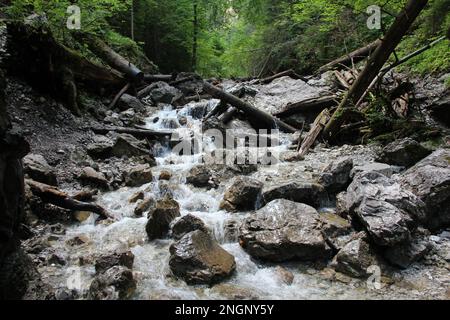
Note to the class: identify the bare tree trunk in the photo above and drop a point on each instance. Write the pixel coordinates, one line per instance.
(376, 62)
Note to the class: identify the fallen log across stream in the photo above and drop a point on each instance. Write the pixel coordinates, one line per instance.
(52, 195)
(251, 111)
(309, 105)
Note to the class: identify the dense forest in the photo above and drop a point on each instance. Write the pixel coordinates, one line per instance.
(244, 37)
(224, 150)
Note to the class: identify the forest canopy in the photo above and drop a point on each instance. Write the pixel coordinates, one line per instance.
(243, 37)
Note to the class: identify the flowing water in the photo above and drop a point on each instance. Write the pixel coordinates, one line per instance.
(252, 279)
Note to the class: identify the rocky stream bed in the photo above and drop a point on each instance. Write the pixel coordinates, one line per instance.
(347, 222)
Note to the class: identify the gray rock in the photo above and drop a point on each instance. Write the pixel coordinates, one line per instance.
(144, 206)
(430, 181)
(164, 93)
(198, 259)
(355, 258)
(336, 230)
(284, 230)
(114, 284)
(243, 195)
(105, 262)
(336, 176)
(387, 211)
(37, 168)
(89, 176)
(160, 218)
(383, 168)
(201, 177)
(405, 153)
(127, 102)
(303, 192)
(406, 254)
(138, 176)
(127, 145)
(186, 225)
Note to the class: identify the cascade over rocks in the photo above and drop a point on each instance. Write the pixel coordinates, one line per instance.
(284, 230)
(199, 259)
(429, 180)
(116, 283)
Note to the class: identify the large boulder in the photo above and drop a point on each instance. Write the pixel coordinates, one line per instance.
(127, 102)
(113, 284)
(355, 258)
(303, 192)
(90, 177)
(127, 145)
(243, 195)
(440, 110)
(336, 176)
(187, 224)
(164, 93)
(336, 230)
(430, 181)
(406, 254)
(284, 230)
(202, 176)
(405, 153)
(138, 176)
(383, 168)
(387, 211)
(37, 168)
(198, 259)
(160, 218)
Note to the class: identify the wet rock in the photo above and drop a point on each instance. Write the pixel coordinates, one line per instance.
(242, 195)
(233, 292)
(81, 216)
(387, 211)
(201, 177)
(406, 254)
(231, 232)
(302, 192)
(336, 176)
(430, 181)
(78, 241)
(164, 93)
(291, 156)
(89, 176)
(37, 168)
(144, 206)
(55, 259)
(65, 294)
(198, 259)
(105, 262)
(214, 123)
(336, 230)
(114, 284)
(355, 258)
(186, 225)
(405, 153)
(284, 230)
(161, 217)
(129, 118)
(138, 176)
(382, 168)
(140, 195)
(165, 175)
(127, 102)
(285, 276)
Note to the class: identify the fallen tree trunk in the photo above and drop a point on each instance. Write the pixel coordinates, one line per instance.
(51, 195)
(376, 62)
(288, 73)
(228, 115)
(112, 58)
(353, 57)
(309, 105)
(138, 133)
(159, 77)
(147, 90)
(247, 108)
(218, 110)
(315, 131)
